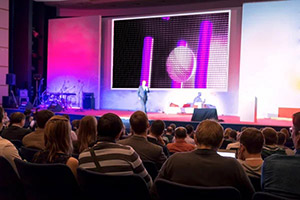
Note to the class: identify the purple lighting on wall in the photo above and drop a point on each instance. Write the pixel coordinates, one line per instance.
(174, 84)
(203, 54)
(147, 60)
(166, 18)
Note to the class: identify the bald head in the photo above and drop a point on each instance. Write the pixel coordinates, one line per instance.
(180, 133)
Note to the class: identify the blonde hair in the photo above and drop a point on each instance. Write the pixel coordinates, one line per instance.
(58, 136)
(87, 132)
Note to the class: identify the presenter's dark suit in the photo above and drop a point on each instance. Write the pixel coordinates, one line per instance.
(143, 95)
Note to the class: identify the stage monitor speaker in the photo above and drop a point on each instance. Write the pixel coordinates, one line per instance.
(55, 107)
(10, 79)
(88, 100)
(201, 114)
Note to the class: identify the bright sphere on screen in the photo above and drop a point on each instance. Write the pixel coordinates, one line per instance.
(180, 64)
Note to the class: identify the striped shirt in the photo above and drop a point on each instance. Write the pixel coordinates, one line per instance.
(114, 159)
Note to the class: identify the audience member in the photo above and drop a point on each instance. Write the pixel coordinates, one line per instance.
(73, 134)
(75, 125)
(138, 141)
(58, 146)
(169, 134)
(155, 135)
(281, 174)
(235, 145)
(227, 132)
(281, 144)
(180, 144)
(28, 118)
(173, 127)
(6, 120)
(15, 131)
(204, 167)
(251, 141)
(227, 139)
(270, 146)
(289, 142)
(1, 119)
(7, 149)
(106, 156)
(87, 134)
(36, 139)
(190, 134)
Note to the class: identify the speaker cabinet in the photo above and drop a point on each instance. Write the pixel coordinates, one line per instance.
(201, 114)
(10, 79)
(88, 100)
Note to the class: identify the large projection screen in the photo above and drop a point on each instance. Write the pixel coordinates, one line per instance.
(188, 50)
(270, 52)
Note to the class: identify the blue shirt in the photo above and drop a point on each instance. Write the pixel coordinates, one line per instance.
(281, 175)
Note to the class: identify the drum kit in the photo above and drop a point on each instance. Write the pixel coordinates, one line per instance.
(63, 99)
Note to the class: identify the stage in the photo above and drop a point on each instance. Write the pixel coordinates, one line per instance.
(183, 119)
(179, 119)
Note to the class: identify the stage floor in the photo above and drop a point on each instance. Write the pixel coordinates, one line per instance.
(281, 122)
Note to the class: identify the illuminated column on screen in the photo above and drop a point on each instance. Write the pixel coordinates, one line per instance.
(203, 54)
(180, 43)
(147, 60)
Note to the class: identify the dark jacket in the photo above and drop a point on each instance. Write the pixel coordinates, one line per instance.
(14, 133)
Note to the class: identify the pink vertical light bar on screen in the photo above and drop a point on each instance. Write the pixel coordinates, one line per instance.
(203, 54)
(147, 60)
(174, 84)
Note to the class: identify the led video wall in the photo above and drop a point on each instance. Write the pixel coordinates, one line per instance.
(188, 50)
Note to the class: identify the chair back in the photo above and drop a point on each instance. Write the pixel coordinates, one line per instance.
(28, 153)
(96, 185)
(47, 181)
(10, 185)
(175, 191)
(151, 168)
(256, 183)
(267, 196)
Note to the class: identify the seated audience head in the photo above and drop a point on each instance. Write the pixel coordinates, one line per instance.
(270, 136)
(110, 126)
(169, 130)
(42, 117)
(139, 123)
(75, 124)
(286, 132)
(57, 136)
(173, 126)
(251, 142)
(180, 133)
(189, 129)
(233, 134)
(281, 138)
(227, 132)
(66, 116)
(243, 128)
(296, 130)
(157, 128)
(17, 118)
(209, 134)
(87, 132)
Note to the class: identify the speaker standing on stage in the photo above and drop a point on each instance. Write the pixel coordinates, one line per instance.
(143, 95)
